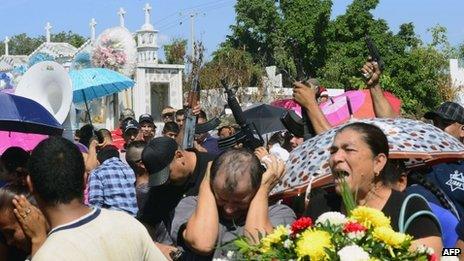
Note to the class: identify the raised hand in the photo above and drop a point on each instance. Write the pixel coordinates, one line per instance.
(274, 171)
(371, 72)
(304, 94)
(261, 152)
(31, 220)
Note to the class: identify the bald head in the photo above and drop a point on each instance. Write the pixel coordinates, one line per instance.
(236, 165)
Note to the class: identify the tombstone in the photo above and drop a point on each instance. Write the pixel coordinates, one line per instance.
(271, 82)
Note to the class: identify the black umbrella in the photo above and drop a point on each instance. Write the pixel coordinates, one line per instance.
(265, 117)
(21, 114)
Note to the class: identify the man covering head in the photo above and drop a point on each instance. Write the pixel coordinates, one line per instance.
(81, 233)
(232, 201)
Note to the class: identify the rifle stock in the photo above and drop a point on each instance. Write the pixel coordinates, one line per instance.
(247, 132)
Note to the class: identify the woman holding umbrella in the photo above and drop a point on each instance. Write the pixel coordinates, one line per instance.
(359, 155)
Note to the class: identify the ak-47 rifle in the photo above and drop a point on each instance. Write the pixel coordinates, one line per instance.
(191, 119)
(191, 127)
(248, 135)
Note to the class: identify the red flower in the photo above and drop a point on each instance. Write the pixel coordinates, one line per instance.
(433, 257)
(301, 224)
(353, 227)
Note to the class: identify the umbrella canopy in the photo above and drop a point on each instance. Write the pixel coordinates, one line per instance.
(265, 117)
(25, 115)
(358, 104)
(27, 141)
(339, 109)
(408, 139)
(93, 83)
(289, 104)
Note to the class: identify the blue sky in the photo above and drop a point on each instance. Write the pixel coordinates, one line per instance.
(213, 18)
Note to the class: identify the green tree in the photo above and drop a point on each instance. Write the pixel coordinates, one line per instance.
(235, 66)
(276, 32)
(22, 44)
(73, 39)
(175, 51)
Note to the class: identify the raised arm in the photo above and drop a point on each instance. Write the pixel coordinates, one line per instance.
(201, 232)
(257, 220)
(382, 107)
(306, 97)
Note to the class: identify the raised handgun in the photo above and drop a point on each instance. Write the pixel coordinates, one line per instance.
(374, 52)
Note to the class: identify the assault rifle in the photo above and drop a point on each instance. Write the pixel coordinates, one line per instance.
(248, 135)
(191, 127)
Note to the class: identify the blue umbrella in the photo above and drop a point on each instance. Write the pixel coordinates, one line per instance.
(21, 114)
(92, 83)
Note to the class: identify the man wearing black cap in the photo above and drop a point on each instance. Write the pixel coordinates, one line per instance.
(448, 177)
(174, 174)
(450, 118)
(147, 126)
(131, 131)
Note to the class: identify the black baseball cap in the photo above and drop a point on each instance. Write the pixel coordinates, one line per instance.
(131, 124)
(450, 111)
(156, 157)
(145, 118)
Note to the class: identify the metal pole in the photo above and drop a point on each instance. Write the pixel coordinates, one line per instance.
(87, 107)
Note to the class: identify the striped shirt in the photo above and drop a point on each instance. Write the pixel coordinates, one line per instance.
(112, 186)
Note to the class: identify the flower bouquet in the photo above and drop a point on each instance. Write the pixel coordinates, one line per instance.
(364, 234)
(109, 54)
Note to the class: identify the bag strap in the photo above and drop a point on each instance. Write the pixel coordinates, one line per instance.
(402, 224)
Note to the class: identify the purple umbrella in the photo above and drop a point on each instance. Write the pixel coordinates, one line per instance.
(21, 114)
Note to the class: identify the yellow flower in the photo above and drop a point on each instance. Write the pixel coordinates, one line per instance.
(312, 243)
(390, 237)
(273, 238)
(369, 217)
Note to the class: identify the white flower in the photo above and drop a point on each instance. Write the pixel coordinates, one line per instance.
(356, 235)
(425, 249)
(449, 258)
(230, 254)
(288, 243)
(220, 259)
(334, 218)
(353, 253)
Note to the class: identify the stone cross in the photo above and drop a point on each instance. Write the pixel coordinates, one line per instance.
(121, 14)
(147, 10)
(47, 31)
(6, 45)
(92, 25)
(271, 81)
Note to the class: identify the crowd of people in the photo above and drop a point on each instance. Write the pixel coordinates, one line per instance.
(136, 194)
